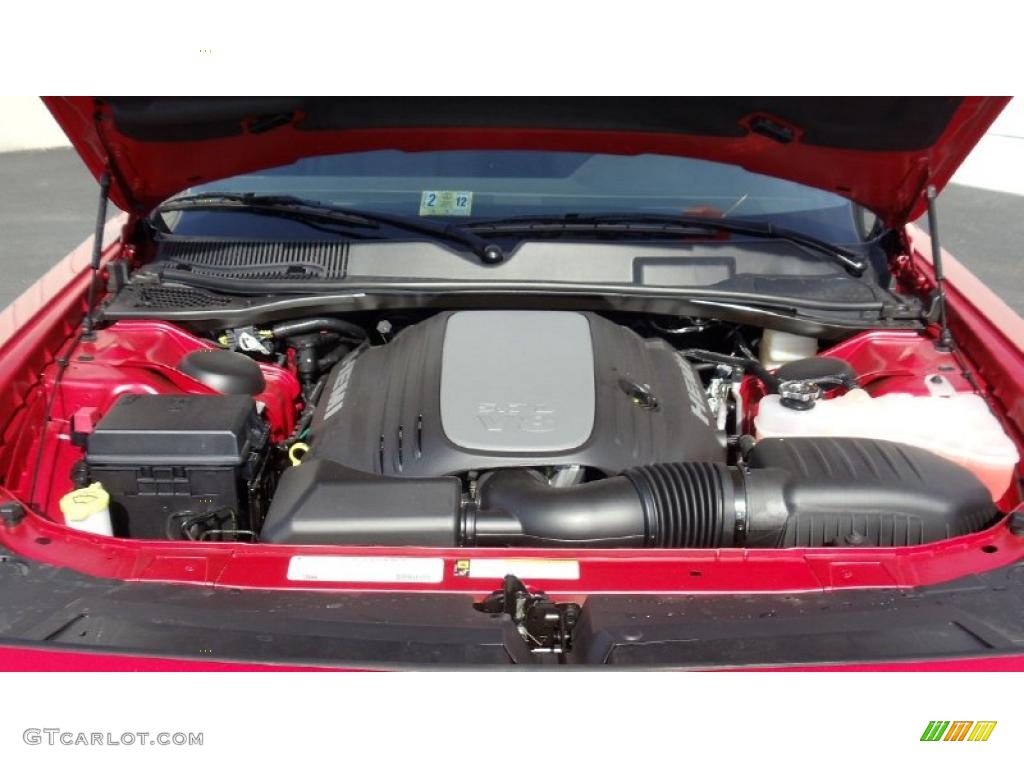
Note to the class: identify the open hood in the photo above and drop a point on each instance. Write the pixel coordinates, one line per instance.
(880, 152)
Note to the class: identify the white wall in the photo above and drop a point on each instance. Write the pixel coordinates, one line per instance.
(26, 124)
(996, 163)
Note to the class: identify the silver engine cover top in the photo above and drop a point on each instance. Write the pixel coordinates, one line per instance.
(517, 381)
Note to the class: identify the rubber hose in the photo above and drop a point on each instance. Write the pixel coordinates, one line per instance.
(746, 364)
(313, 324)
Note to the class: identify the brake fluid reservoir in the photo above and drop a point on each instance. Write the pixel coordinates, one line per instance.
(959, 427)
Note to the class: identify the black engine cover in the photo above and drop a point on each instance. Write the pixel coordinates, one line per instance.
(486, 389)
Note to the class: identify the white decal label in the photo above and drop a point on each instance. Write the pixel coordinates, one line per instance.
(525, 568)
(516, 417)
(443, 202)
(337, 397)
(695, 392)
(385, 570)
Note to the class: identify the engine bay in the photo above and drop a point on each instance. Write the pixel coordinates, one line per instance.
(517, 428)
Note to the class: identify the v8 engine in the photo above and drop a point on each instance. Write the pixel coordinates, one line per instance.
(513, 428)
(524, 428)
(479, 390)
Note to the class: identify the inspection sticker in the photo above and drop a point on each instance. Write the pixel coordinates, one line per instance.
(524, 568)
(444, 202)
(384, 570)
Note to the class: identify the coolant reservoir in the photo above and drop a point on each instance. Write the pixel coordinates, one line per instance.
(959, 427)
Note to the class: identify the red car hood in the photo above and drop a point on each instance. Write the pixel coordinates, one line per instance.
(880, 152)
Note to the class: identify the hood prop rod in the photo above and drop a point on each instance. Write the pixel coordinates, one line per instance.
(88, 322)
(945, 342)
(86, 335)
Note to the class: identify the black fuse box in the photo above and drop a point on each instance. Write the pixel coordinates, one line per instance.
(182, 466)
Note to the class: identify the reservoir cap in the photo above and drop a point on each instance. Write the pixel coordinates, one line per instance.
(230, 373)
(83, 503)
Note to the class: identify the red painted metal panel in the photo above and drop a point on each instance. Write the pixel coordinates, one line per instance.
(888, 183)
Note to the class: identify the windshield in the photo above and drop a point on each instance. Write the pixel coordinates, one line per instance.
(467, 185)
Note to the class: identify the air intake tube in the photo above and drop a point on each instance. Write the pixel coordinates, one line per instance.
(808, 492)
(691, 504)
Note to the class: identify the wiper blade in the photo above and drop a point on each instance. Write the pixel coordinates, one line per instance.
(313, 210)
(283, 204)
(647, 224)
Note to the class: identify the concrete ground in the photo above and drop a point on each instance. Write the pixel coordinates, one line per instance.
(48, 206)
(984, 230)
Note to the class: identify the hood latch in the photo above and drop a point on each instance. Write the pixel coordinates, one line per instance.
(545, 626)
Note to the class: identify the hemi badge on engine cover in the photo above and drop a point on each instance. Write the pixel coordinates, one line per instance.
(382, 570)
(523, 568)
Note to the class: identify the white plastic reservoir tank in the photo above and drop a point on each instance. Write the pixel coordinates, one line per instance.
(959, 427)
(88, 509)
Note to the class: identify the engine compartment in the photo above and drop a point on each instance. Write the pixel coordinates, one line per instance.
(500, 428)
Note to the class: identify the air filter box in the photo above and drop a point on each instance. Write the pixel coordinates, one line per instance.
(182, 466)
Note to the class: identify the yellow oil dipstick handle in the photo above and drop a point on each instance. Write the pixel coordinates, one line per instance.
(296, 452)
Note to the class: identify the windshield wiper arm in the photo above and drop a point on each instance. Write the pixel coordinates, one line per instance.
(314, 210)
(662, 224)
(282, 204)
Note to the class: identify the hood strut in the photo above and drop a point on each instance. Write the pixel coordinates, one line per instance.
(945, 341)
(97, 251)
